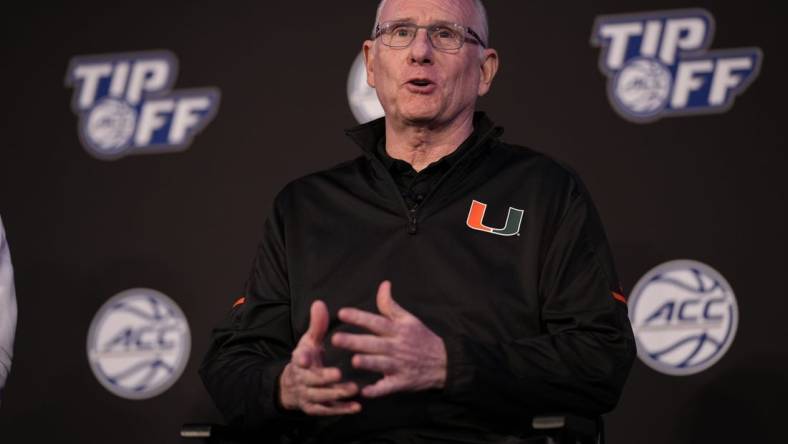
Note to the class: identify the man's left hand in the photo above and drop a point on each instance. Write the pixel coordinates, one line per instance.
(410, 356)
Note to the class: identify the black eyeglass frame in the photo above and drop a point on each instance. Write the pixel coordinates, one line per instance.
(476, 39)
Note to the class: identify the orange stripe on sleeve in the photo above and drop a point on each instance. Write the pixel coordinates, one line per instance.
(240, 301)
(619, 297)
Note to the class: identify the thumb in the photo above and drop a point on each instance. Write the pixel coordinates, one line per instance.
(318, 322)
(386, 304)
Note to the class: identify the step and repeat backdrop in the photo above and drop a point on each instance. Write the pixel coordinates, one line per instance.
(143, 143)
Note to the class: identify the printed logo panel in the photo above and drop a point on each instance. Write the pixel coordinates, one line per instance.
(363, 99)
(126, 105)
(138, 344)
(684, 316)
(659, 64)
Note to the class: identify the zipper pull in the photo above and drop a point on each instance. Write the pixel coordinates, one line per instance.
(412, 224)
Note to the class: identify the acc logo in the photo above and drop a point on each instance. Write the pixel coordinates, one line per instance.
(125, 104)
(363, 99)
(138, 344)
(684, 316)
(513, 220)
(658, 64)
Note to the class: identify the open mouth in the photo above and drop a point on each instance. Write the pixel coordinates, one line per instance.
(421, 86)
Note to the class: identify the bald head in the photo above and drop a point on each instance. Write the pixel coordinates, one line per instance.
(423, 86)
(479, 24)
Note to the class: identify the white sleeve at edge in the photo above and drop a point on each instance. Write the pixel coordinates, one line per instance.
(7, 308)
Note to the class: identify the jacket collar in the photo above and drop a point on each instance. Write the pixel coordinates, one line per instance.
(485, 135)
(369, 134)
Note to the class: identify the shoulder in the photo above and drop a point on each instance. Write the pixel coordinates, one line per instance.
(340, 173)
(318, 183)
(538, 167)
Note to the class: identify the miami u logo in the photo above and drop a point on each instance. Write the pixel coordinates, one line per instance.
(513, 220)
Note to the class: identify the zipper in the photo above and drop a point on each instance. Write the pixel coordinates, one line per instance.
(413, 221)
(412, 214)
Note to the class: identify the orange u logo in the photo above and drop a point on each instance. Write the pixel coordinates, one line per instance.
(476, 215)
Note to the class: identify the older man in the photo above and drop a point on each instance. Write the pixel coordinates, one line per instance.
(443, 286)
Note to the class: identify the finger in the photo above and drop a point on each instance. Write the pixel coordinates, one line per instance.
(381, 388)
(332, 393)
(337, 408)
(307, 354)
(301, 357)
(319, 376)
(375, 363)
(372, 322)
(386, 304)
(318, 322)
(360, 343)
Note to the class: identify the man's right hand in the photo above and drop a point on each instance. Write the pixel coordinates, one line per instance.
(308, 386)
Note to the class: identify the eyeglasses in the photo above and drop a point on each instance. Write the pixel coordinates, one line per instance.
(443, 36)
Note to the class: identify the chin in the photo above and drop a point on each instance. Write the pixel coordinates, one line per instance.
(419, 116)
(419, 109)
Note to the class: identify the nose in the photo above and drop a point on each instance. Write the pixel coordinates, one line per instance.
(421, 48)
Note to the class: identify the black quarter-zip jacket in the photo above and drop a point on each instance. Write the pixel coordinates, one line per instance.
(533, 322)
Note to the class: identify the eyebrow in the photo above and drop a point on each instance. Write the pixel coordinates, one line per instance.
(406, 19)
(411, 20)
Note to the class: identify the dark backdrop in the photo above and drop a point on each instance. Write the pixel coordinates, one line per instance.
(710, 188)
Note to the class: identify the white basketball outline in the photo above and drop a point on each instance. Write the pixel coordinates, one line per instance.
(177, 370)
(624, 108)
(356, 83)
(674, 265)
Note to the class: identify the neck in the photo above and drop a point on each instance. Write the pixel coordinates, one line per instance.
(420, 145)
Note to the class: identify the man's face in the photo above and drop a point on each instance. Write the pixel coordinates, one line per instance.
(419, 84)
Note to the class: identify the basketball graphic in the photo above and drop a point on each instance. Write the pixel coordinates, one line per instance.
(660, 64)
(110, 126)
(363, 99)
(138, 344)
(643, 86)
(684, 316)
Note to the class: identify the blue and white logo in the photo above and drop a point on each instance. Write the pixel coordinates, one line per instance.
(138, 344)
(684, 316)
(126, 104)
(659, 64)
(363, 99)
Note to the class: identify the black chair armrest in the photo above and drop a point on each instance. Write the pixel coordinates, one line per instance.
(570, 429)
(214, 433)
(558, 429)
(197, 431)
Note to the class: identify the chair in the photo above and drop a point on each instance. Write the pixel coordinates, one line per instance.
(570, 429)
(554, 429)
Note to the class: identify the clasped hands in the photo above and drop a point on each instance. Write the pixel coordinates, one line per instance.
(409, 355)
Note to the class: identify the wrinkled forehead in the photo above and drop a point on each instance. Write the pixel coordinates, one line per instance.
(429, 11)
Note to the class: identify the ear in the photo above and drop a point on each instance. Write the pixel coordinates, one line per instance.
(489, 67)
(369, 58)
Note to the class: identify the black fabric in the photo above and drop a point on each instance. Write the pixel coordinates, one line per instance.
(529, 321)
(414, 185)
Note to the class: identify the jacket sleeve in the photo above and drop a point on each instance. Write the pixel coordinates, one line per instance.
(580, 361)
(251, 346)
